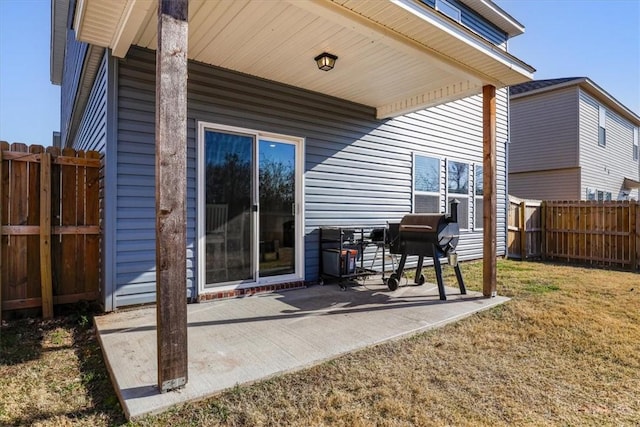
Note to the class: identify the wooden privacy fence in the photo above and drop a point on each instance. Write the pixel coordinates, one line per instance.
(592, 232)
(49, 227)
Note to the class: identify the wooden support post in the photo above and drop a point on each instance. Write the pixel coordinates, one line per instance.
(171, 187)
(489, 271)
(45, 236)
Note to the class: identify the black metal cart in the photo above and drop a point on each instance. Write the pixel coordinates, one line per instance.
(341, 254)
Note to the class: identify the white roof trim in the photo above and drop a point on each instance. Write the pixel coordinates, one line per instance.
(59, 15)
(134, 13)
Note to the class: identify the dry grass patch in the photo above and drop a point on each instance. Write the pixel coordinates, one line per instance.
(52, 373)
(564, 351)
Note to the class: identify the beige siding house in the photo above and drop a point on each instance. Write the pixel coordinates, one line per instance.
(571, 140)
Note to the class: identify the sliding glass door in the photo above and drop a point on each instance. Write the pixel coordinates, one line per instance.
(229, 200)
(250, 202)
(277, 206)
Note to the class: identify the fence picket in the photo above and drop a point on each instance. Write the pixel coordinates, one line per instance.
(69, 246)
(33, 219)
(46, 289)
(18, 215)
(80, 221)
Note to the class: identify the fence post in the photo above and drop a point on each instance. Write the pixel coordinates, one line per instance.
(2, 143)
(45, 236)
(523, 231)
(635, 235)
(543, 230)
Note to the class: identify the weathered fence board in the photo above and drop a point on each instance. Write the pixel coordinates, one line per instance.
(525, 229)
(599, 233)
(49, 227)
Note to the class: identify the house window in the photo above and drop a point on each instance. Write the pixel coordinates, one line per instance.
(458, 188)
(478, 207)
(603, 196)
(426, 184)
(635, 144)
(448, 9)
(591, 194)
(602, 130)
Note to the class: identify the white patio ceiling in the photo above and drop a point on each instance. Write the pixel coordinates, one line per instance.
(395, 55)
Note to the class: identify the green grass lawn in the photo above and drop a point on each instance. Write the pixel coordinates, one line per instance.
(564, 351)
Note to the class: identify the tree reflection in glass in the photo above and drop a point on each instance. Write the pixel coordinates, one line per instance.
(277, 208)
(228, 192)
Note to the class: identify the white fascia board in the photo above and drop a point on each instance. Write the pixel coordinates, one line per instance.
(133, 15)
(59, 15)
(79, 17)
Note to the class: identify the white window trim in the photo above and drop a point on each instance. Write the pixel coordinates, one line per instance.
(636, 149)
(467, 196)
(602, 124)
(441, 161)
(476, 197)
(299, 275)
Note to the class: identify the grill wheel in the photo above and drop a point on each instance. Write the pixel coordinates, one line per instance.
(392, 282)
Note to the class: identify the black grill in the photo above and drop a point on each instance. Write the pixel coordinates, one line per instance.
(432, 235)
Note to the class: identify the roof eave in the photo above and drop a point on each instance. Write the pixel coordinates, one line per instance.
(59, 15)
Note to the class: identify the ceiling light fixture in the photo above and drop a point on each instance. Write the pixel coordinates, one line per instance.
(325, 61)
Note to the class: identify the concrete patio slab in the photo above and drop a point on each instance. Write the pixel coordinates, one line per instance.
(241, 340)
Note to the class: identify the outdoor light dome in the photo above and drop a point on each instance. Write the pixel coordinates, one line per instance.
(325, 61)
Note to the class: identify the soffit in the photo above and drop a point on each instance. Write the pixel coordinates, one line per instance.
(630, 183)
(398, 55)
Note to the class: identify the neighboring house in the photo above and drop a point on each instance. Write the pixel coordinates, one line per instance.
(276, 147)
(571, 140)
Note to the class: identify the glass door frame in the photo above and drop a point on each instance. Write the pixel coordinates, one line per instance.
(201, 206)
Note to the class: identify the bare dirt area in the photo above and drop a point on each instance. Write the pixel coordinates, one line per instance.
(564, 351)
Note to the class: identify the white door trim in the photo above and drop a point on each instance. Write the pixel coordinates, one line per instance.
(200, 209)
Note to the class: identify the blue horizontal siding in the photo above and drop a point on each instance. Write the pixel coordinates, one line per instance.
(358, 170)
(92, 131)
